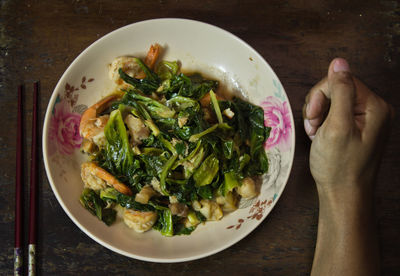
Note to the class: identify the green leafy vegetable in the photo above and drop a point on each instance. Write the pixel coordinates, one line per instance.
(256, 132)
(118, 156)
(231, 182)
(109, 194)
(139, 111)
(180, 148)
(150, 75)
(193, 86)
(227, 148)
(152, 151)
(167, 144)
(188, 155)
(192, 161)
(205, 192)
(207, 171)
(155, 108)
(146, 85)
(130, 203)
(243, 161)
(167, 69)
(92, 202)
(180, 103)
(184, 230)
(197, 136)
(164, 174)
(153, 164)
(165, 224)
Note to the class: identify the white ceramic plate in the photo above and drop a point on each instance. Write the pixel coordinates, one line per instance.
(199, 47)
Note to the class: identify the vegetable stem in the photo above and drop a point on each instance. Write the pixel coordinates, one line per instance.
(216, 107)
(146, 118)
(167, 144)
(164, 174)
(197, 136)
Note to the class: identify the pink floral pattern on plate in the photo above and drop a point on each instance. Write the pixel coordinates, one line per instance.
(277, 116)
(64, 123)
(64, 129)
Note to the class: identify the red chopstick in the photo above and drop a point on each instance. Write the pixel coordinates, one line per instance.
(18, 190)
(33, 187)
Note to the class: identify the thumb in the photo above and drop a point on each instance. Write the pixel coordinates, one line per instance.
(341, 91)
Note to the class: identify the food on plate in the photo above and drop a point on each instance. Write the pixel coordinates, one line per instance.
(166, 150)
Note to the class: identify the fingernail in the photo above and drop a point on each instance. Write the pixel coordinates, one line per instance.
(312, 137)
(315, 122)
(307, 110)
(341, 65)
(307, 126)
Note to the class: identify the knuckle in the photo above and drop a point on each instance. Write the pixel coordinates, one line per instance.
(385, 109)
(389, 111)
(337, 131)
(321, 86)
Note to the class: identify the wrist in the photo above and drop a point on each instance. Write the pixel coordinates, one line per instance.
(347, 230)
(346, 203)
(346, 189)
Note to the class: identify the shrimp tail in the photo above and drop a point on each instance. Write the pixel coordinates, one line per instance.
(152, 55)
(151, 58)
(93, 169)
(91, 113)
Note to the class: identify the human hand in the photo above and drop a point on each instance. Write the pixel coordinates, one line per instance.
(348, 125)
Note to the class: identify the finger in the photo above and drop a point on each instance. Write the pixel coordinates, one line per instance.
(310, 129)
(372, 111)
(315, 107)
(317, 102)
(341, 92)
(312, 105)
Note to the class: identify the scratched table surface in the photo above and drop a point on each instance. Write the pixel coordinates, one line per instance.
(39, 39)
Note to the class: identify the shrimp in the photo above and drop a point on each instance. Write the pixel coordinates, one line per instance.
(130, 66)
(152, 55)
(139, 221)
(97, 178)
(92, 127)
(137, 130)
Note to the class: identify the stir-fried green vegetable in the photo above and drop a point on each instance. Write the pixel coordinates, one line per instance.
(190, 155)
(117, 157)
(92, 202)
(207, 171)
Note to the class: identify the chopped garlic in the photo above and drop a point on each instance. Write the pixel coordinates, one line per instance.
(182, 121)
(228, 113)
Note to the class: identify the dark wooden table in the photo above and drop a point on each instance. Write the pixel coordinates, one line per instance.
(39, 39)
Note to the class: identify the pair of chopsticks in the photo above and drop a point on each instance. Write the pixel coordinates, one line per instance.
(18, 250)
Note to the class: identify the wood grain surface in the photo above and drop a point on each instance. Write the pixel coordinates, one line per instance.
(298, 38)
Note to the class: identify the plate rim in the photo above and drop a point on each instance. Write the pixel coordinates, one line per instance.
(50, 178)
